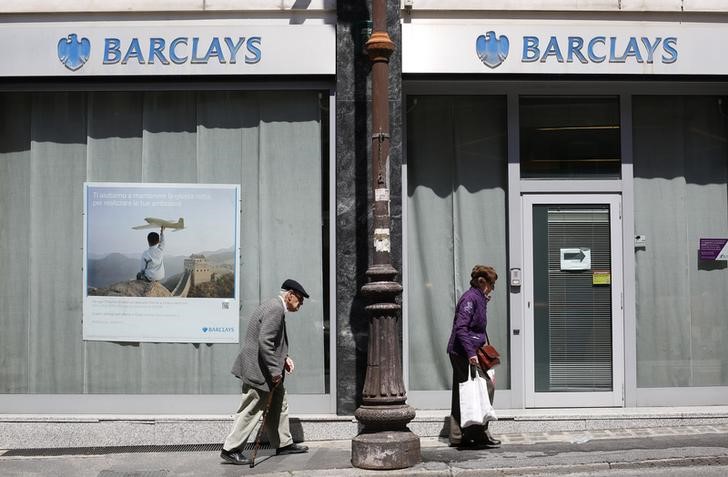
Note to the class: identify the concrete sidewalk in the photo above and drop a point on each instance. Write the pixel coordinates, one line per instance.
(537, 453)
(20, 431)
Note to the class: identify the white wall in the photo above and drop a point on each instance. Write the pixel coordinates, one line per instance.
(689, 6)
(40, 6)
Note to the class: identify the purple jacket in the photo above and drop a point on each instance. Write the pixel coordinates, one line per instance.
(468, 327)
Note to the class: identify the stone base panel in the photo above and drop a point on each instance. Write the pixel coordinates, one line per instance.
(22, 431)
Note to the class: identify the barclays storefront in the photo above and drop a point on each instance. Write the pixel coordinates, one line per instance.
(585, 156)
(160, 118)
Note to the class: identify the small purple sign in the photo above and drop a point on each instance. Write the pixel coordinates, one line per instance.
(713, 249)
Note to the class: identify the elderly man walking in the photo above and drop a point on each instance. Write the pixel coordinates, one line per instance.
(261, 365)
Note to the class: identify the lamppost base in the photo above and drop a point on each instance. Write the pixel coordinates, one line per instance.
(386, 450)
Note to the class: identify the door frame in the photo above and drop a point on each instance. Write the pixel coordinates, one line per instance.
(533, 399)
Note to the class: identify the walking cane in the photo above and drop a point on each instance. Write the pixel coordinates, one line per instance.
(262, 423)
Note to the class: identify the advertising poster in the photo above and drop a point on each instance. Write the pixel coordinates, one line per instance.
(161, 262)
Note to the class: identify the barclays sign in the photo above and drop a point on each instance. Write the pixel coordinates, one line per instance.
(73, 52)
(601, 48)
(183, 49)
(563, 46)
(218, 329)
(493, 50)
(166, 48)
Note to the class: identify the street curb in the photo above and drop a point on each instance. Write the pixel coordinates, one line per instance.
(445, 470)
(596, 466)
(676, 462)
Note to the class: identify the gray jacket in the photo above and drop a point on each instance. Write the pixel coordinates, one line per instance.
(265, 348)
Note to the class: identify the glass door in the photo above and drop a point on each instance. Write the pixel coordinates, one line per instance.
(573, 300)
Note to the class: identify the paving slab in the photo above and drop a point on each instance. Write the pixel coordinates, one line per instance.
(523, 454)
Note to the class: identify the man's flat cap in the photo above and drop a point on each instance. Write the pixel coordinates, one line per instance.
(290, 284)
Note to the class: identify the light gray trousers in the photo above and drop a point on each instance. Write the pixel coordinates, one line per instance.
(251, 409)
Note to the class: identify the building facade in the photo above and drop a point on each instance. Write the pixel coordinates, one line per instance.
(581, 150)
(583, 154)
(163, 94)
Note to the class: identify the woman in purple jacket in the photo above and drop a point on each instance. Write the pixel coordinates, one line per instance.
(468, 334)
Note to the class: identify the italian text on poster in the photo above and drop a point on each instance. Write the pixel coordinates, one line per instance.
(161, 262)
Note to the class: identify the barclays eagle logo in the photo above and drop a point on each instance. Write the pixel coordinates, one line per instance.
(491, 50)
(73, 52)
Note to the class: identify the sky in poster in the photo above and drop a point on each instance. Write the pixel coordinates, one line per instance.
(208, 212)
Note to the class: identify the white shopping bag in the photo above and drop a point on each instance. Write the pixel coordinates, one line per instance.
(491, 375)
(475, 405)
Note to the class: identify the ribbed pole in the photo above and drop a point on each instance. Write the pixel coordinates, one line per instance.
(385, 441)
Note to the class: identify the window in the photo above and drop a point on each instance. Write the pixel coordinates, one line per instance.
(457, 193)
(52, 142)
(569, 137)
(681, 196)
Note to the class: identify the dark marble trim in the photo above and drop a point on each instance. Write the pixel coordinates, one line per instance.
(353, 194)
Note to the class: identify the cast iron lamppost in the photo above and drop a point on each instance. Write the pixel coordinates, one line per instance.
(385, 442)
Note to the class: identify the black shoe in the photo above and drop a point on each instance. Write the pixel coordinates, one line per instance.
(471, 444)
(234, 457)
(292, 449)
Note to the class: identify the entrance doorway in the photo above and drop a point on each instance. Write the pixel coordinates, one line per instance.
(572, 292)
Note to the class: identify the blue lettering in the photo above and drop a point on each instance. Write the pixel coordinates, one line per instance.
(531, 52)
(156, 49)
(594, 50)
(112, 54)
(651, 48)
(215, 50)
(253, 46)
(134, 51)
(234, 47)
(632, 50)
(670, 45)
(552, 50)
(613, 58)
(590, 49)
(195, 58)
(173, 50)
(179, 51)
(575, 45)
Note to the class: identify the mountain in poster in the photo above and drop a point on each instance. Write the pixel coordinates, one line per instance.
(117, 267)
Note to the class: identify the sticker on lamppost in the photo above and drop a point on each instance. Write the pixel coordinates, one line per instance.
(576, 258)
(713, 249)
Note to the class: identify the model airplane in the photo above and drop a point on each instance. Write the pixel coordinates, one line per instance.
(155, 223)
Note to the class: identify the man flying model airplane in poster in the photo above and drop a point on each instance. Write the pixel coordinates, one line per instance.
(152, 265)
